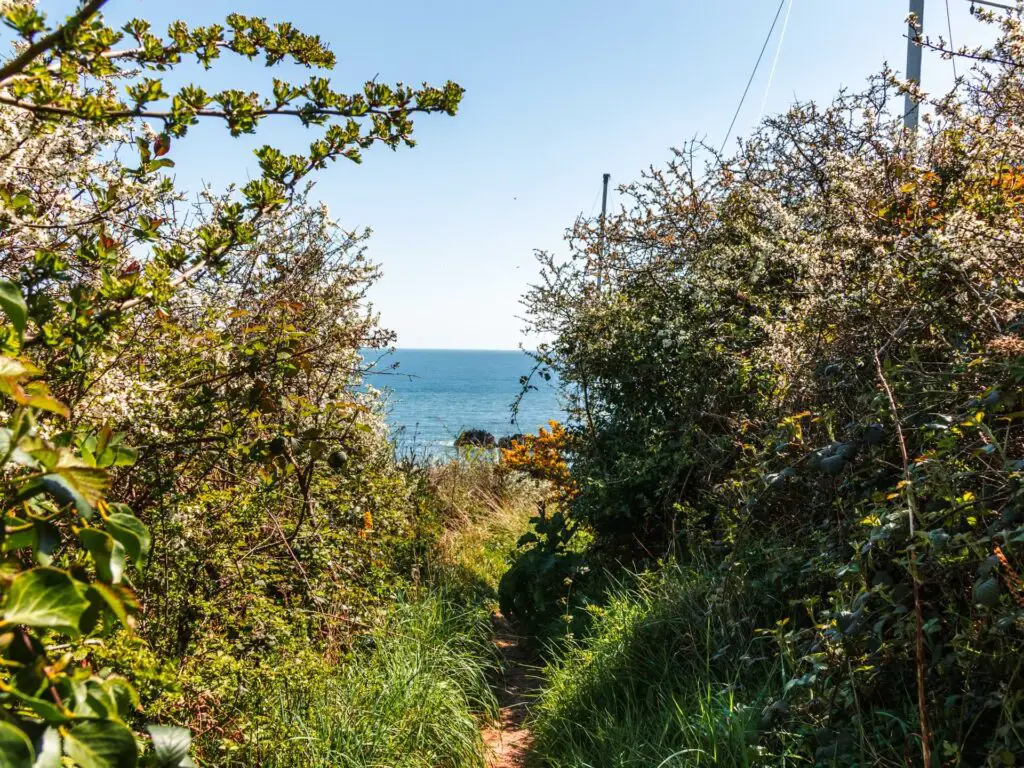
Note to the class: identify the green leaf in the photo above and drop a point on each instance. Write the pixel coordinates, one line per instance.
(107, 553)
(46, 710)
(171, 746)
(47, 403)
(101, 744)
(60, 489)
(46, 539)
(15, 748)
(13, 305)
(132, 534)
(101, 596)
(125, 456)
(90, 482)
(45, 598)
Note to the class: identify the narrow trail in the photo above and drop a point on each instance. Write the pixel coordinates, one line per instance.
(508, 741)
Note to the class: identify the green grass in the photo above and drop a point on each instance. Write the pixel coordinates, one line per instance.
(671, 676)
(411, 698)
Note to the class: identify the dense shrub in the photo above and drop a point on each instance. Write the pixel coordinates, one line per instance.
(817, 346)
(204, 348)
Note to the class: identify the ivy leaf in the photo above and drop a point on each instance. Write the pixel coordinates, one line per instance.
(15, 748)
(13, 305)
(101, 744)
(45, 598)
(107, 553)
(132, 534)
(46, 539)
(171, 746)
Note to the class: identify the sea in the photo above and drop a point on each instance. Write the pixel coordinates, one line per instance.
(433, 395)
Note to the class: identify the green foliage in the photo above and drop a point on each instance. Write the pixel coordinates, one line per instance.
(815, 348)
(547, 582)
(410, 697)
(53, 496)
(671, 675)
(221, 339)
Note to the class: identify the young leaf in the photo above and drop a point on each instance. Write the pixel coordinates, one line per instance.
(13, 305)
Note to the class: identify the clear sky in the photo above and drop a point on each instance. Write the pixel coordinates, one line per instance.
(557, 93)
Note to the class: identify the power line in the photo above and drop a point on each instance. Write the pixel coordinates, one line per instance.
(753, 74)
(952, 48)
(775, 63)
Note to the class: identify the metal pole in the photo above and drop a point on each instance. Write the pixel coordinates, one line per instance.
(911, 107)
(604, 213)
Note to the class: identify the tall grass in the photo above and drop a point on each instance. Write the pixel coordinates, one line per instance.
(672, 675)
(485, 509)
(411, 698)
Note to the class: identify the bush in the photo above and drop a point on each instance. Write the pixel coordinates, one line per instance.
(808, 359)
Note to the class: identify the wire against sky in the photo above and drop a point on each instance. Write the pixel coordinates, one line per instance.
(753, 74)
(775, 63)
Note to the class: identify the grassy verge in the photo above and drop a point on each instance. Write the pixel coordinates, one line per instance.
(409, 699)
(486, 509)
(671, 675)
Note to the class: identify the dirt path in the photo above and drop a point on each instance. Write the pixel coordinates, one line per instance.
(508, 741)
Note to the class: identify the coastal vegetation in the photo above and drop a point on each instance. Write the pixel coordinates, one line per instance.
(782, 522)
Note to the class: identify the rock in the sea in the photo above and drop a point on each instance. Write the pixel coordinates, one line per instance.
(507, 441)
(475, 438)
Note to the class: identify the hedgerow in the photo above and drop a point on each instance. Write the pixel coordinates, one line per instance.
(802, 363)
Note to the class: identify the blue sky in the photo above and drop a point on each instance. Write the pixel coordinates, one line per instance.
(557, 93)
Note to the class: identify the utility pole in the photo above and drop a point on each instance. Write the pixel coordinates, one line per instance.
(911, 107)
(604, 213)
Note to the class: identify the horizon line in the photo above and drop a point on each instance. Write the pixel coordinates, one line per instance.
(463, 349)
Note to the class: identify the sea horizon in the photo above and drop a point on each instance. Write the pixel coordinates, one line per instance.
(435, 394)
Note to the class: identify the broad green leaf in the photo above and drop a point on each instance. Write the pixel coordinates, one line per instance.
(13, 305)
(48, 749)
(47, 403)
(60, 489)
(102, 597)
(46, 539)
(15, 748)
(90, 482)
(107, 553)
(125, 456)
(125, 697)
(171, 746)
(101, 744)
(20, 534)
(46, 710)
(45, 598)
(131, 532)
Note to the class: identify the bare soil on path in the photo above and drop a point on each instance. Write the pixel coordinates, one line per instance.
(508, 741)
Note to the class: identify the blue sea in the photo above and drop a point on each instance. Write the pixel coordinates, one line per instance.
(435, 394)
